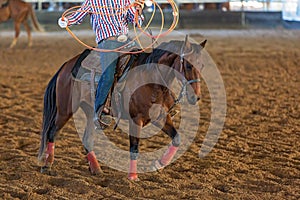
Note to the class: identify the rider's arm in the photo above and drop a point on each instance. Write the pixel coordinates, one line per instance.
(78, 16)
(132, 11)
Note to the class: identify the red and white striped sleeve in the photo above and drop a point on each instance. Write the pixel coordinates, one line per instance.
(131, 14)
(78, 16)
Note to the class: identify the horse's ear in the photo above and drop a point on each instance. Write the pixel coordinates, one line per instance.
(202, 44)
(186, 44)
(186, 39)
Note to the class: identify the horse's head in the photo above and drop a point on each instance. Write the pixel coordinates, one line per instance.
(185, 59)
(189, 64)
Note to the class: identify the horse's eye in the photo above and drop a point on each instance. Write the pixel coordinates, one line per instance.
(189, 66)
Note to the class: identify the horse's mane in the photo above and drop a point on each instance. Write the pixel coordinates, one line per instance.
(171, 47)
(166, 47)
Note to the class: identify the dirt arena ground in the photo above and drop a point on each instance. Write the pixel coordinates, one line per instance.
(257, 155)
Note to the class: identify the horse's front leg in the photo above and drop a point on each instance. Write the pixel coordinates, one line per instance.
(170, 130)
(134, 130)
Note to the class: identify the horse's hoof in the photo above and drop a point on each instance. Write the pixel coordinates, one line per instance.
(133, 177)
(157, 166)
(96, 171)
(94, 166)
(47, 170)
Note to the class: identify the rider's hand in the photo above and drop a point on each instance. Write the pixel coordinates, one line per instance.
(63, 23)
(139, 9)
(139, 6)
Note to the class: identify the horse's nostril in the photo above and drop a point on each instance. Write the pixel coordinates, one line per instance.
(194, 98)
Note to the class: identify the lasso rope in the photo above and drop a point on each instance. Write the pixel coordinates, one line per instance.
(175, 14)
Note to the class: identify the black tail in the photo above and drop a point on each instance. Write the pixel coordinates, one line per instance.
(49, 113)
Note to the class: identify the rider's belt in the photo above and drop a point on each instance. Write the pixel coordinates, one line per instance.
(112, 38)
(120, 38)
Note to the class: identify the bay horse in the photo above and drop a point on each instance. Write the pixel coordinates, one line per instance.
(64, 95)
(19, 11)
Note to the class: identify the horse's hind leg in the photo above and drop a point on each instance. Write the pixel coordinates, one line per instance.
(170, 130)
(88, 139)
(49, 154)
(60, 121)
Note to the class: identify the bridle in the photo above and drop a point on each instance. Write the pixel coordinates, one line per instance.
(184, 81)
(182, 71)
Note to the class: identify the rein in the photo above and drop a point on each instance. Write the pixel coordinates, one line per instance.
(182, 93)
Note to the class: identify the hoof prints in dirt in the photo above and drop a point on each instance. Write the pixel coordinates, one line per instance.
(257, 154)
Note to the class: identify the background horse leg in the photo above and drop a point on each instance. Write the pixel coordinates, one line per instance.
(134, 130)
(27, 28)
(170, 130)
(88, 139)
(21, 17)
(17, 33)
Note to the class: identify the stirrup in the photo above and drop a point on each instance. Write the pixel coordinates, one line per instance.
(103, 122)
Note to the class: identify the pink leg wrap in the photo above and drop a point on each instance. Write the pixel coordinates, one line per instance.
(132, 175)
(50, 154)
(167, 157)
(93, 163)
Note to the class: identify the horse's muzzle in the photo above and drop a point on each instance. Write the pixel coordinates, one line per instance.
(193, 99)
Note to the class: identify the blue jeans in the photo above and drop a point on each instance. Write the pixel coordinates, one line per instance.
(108, 61)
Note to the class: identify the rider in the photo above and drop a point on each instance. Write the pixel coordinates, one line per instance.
(109, 19)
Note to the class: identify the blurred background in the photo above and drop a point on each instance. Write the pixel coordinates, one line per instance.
(198, 13)
(201, 13)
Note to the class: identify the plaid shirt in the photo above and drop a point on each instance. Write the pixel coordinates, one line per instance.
(108, 17)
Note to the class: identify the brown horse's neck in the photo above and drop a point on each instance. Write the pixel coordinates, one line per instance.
(161, 71)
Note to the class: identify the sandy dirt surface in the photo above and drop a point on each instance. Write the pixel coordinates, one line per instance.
(257, 155)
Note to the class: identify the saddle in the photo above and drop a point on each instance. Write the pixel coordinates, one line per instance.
(87, 69)
(89, 62)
